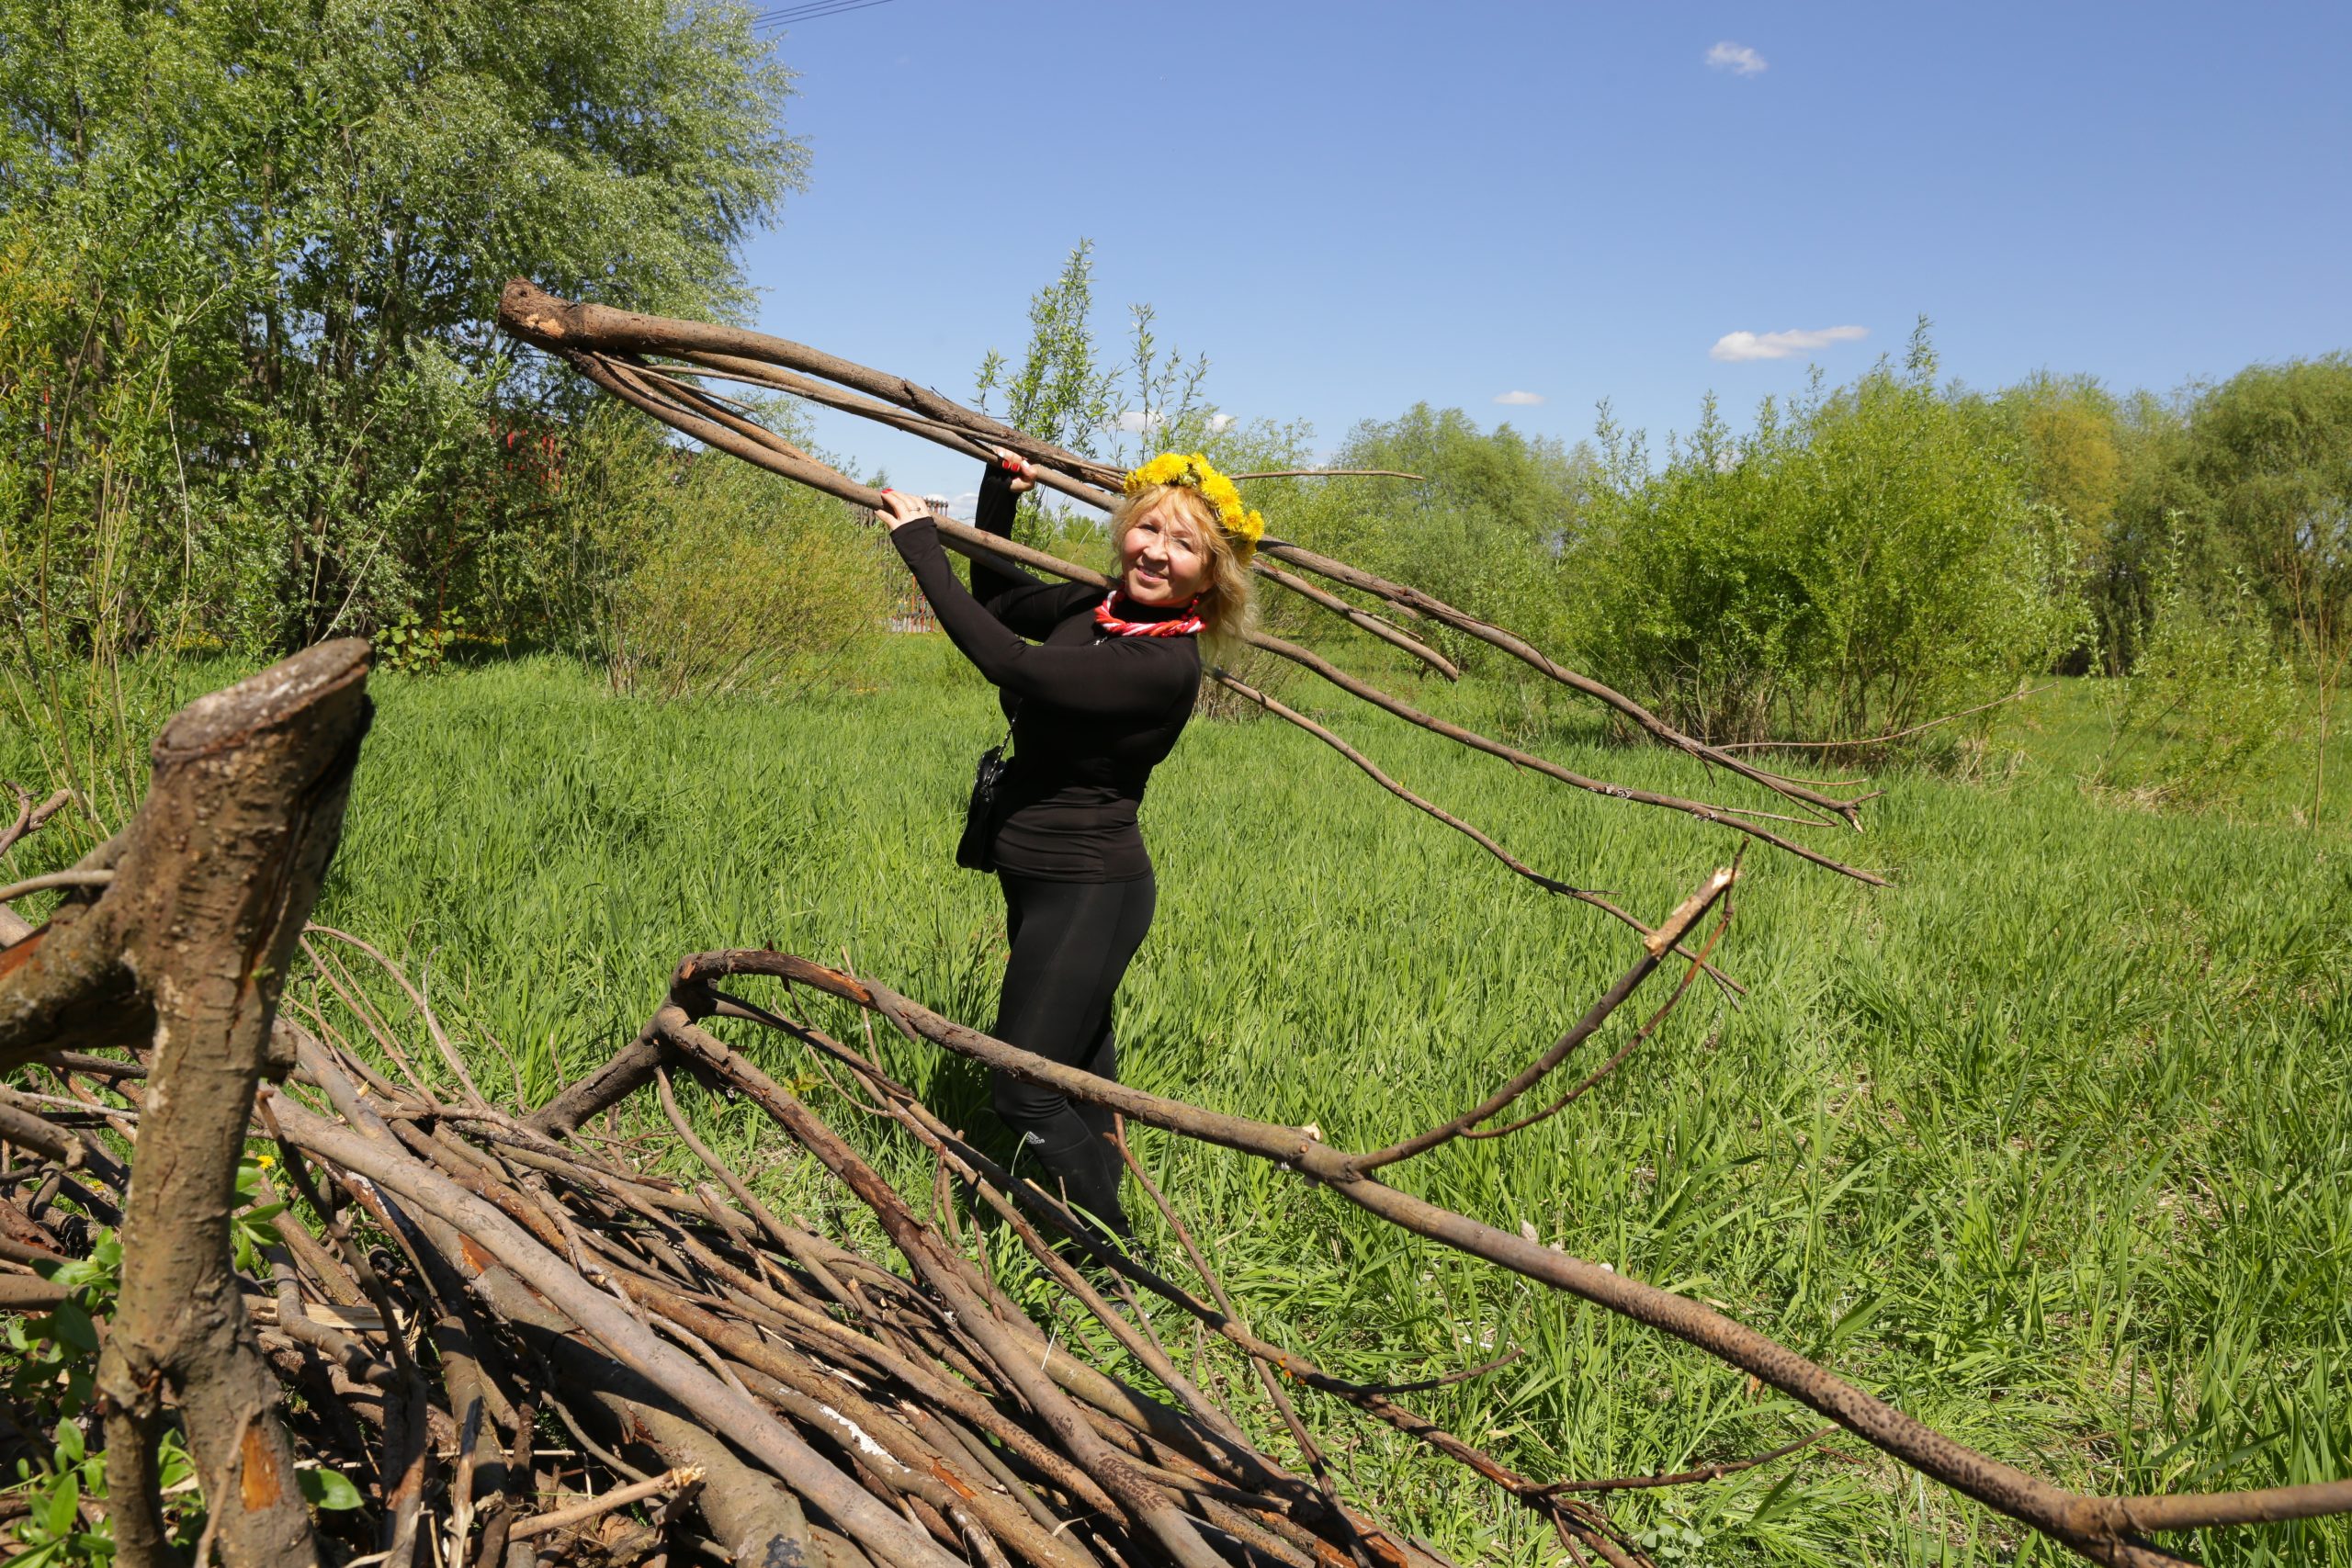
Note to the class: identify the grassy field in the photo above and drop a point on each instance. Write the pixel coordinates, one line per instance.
(2049, 1143)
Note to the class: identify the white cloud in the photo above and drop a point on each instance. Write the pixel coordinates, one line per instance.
(1220, 422)
(1135, 422)
(1736, 58)
(1519, 399)
(1733, 347)
(963, 506)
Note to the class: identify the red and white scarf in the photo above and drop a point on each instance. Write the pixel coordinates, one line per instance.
(1185, 625)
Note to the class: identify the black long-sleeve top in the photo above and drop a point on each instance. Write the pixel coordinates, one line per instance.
(1091, 714)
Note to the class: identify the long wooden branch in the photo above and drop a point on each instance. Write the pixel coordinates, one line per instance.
(527, 310)
(1365, 621)
(1527, 653)
(553, 323)
(1669, 935)
(707, 421)
(1518, 867)
(2106, 1530)
(1462, 735)
(608, 346)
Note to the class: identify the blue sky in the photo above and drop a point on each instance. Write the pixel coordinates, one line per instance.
(1353, 207)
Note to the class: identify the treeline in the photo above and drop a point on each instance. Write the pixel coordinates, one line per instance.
(1864, 558)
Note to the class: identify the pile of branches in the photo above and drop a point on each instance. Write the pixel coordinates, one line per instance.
(483, 1339)
(485, 1342)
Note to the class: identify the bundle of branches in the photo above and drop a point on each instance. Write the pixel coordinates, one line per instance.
(468, 1338)
(476, 1312)
(498, 1340)
(659, 364)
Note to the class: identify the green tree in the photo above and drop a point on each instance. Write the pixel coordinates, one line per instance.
(1152, 401)
(2268, 466)
(2150, 537)
(2068, 440)
(254, 255)
(2069, 437)
(1484, 525)
(2269, 462)
(1058, 393)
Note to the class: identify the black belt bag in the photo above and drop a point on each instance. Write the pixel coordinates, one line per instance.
(975, 850)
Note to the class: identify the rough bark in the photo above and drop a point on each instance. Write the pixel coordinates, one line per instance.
(755, 1518)
(626, 1339)
(215, 878)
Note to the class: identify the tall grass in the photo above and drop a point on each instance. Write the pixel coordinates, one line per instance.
(2049, 1143)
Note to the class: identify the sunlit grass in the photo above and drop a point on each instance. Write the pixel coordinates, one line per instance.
(2048, 1144)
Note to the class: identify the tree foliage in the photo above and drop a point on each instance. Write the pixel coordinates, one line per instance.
(1484, 527)
(252, 252)
(1151, 401)
(1867, 558)
(1058, 393)
(2269, 464)
(736, 580)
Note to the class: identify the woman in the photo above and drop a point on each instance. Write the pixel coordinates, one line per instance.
(1095, 701)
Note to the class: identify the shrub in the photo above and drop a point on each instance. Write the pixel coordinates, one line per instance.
(742, 581)
(1865, 559)
(2208, 697)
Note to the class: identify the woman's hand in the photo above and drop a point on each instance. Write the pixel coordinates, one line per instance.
(1024, 475)
(898, 509)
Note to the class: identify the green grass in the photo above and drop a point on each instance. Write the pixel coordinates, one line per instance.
(2048, 1144)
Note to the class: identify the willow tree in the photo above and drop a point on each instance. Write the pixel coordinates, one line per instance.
(252, 390)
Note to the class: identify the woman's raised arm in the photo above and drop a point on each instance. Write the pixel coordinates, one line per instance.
(1023, 603)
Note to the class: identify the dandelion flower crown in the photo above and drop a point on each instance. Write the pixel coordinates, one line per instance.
(1193, 471)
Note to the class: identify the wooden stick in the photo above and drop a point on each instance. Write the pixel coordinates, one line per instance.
(2105, 1529)
(1668, 935)
(30, 818)
(1368, 622)
(1881, 740)
(662, 1486)
(718, 428)
(1518, 867)
(48, 879)
(571, 328)
(1326, 474)
(760, 1434)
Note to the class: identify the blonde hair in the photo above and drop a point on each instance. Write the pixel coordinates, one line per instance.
(1225, 601)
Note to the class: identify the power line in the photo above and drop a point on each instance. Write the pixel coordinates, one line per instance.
(810, 10)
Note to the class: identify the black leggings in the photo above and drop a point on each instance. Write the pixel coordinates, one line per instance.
(1071, 942)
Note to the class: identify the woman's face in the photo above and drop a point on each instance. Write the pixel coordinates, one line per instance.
(1162, 559)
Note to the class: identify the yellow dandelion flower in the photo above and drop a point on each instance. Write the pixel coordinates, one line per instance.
(1192, 469)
